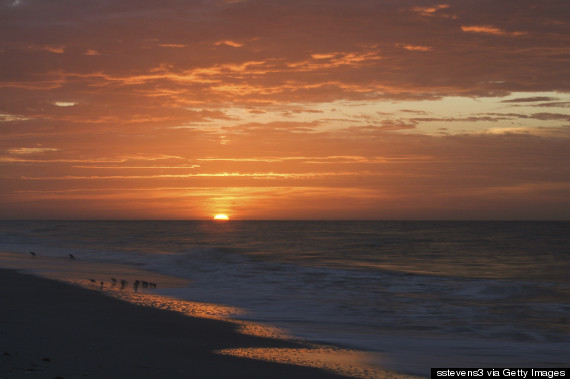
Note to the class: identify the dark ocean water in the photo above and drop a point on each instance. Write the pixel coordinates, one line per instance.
(421, 294)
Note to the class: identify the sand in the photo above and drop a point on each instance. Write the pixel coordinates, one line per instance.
(50, 329)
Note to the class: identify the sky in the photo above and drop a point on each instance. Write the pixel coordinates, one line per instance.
(297, 109)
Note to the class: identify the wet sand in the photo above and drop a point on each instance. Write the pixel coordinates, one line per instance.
(50, 329)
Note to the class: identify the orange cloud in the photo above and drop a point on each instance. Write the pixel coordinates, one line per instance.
(417, 48)
(229, 43)
(175, 45)
(51, 49)
(92, 52)
(30, 150)
(487, 29)
(429, 11)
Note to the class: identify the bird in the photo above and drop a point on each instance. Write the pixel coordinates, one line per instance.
(152, 285)
(33, 254)
(123, 283)
(71, 256)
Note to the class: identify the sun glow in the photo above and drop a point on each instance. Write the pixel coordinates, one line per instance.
(221, 217)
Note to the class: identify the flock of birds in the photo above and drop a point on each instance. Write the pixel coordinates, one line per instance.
(115, 282)
(124, 283)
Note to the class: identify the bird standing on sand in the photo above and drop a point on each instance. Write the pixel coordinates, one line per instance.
(33, 254)
(71, 256)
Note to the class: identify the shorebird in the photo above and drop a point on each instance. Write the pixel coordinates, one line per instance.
(144, 284)
(33, 254)
(71, 256)
(152, 285)
(123, 283)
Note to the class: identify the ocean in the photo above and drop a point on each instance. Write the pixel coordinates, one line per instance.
(417, 294)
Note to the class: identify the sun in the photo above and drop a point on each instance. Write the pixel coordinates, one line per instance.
(221, 217)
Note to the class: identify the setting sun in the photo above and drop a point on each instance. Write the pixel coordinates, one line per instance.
(221, 217)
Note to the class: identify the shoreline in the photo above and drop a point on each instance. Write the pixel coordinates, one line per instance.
(50, 328)
(53, 329)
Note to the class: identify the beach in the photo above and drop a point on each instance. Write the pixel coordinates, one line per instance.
(50, 329)
(361, 298)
